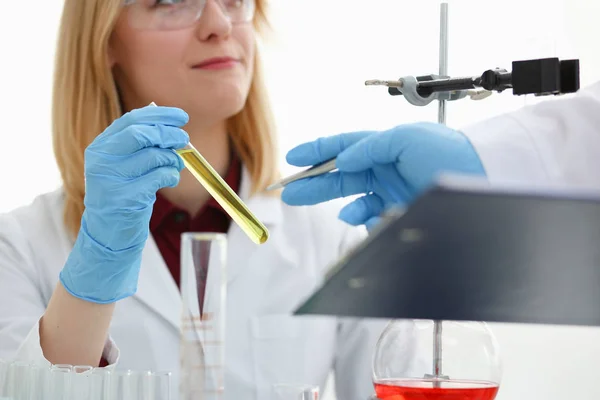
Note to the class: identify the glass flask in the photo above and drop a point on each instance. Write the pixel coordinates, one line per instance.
(436, 360)
(203, 293)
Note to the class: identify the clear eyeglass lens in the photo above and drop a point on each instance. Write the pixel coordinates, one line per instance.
(179, 14)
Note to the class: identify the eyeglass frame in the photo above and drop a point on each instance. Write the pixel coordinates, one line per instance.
(127, 3)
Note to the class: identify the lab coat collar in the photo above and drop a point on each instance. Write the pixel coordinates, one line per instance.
(159, 291)
(267, 207)
(156, 286)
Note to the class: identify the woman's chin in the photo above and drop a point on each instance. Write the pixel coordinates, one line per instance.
(220, 107)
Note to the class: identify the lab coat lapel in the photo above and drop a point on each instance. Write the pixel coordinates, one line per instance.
(156, 287)
(158, 290)
(240, 249)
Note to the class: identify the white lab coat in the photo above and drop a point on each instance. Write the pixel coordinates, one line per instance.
(265, 344)
(552, 143)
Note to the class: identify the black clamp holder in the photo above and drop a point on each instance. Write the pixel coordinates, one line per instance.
(540, 77)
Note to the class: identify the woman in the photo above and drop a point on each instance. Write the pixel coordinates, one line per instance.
(89, 274)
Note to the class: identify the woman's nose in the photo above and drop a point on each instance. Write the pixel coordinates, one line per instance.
(214, 21)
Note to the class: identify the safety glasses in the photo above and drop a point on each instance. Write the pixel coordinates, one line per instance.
(179, 14)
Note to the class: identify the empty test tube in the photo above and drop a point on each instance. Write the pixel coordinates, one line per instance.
(160, 386)
(81, 382)
(4, 379)
(100, 384)
(130, 385)
(60, 382)
(18, 381)
(283, 391)
(39, 382)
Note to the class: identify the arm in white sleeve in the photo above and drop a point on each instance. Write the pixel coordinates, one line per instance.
(554, 142)
(21, 301)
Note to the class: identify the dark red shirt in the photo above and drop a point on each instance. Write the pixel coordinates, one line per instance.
(168, 222)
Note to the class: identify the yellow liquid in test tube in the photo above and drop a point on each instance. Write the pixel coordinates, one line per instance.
(220, 191)
(225, 196)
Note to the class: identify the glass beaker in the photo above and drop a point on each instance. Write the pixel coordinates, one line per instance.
(437, 360)
(203, 293)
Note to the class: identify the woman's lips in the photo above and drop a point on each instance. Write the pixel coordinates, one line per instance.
(217, 63)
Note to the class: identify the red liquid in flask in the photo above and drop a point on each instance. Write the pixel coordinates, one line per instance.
(425, 389)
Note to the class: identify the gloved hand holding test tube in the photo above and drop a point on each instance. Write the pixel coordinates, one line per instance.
(223, 194)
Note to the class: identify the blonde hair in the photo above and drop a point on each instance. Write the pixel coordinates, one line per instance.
(85, 102)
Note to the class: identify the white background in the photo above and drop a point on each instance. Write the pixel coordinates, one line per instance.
(322, 53)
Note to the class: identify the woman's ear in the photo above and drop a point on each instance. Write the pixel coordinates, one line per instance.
(112, 50)
(111, 55)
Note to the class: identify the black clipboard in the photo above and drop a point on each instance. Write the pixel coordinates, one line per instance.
(474, 252)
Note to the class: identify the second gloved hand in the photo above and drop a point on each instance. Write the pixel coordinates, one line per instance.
(124, 168)
(391, 168)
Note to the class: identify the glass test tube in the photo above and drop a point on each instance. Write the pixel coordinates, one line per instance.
(18, 380)
(160, 386)
(140, 383)
(130, 385)
(203, 291)
(4, 365)
(13, 380)
(81, 382)
(225, 196)
(22, 381)
(284, 391)
(222, 193)
(39, 382)
(100, 384)
(120, 386)
(60, 382)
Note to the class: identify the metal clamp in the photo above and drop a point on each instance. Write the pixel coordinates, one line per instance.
(409, 90)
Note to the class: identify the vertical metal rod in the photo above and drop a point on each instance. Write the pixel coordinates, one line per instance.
(437, 327)
(437, 349)
(443, 57)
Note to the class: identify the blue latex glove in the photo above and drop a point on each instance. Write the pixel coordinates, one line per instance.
(391, 168)
(124, 168)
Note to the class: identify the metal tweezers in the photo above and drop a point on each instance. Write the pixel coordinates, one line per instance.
(315, 170)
